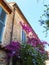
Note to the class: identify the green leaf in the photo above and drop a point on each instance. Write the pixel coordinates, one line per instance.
(45, 5)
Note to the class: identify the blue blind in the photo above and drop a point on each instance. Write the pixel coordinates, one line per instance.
(2, 22)
(23, 37)
(0, 10)
(2, 16)
(1, 31)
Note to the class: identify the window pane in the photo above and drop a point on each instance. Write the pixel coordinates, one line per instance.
(0, 10)
(2, 16)
(1, 31)
(2, 22)
(23, 37)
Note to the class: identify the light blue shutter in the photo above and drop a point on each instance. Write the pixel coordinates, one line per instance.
(0, 10)
(2, 16)
(1, 31)
(2, 22)
(23, 37)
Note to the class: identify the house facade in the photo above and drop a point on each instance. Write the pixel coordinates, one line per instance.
(12, 31)
(10, 28)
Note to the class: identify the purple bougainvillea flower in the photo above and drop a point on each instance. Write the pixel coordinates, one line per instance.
(42, 51)
(44, 42)
(13, 48)
(33, 40)
(26, 27)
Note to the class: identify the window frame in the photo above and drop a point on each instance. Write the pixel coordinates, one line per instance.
(23, 36)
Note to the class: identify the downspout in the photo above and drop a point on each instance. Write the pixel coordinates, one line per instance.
(12, 24)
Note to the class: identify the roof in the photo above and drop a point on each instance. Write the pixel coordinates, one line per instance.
(5, 6)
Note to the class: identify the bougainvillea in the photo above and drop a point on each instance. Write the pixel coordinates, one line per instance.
(33, 40)
(26, 53)
(37, 43)
(31, 56)
(28, 30)
(30, 53)
(13, 48)
(26, 27)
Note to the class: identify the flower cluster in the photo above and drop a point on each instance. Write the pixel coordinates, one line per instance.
(37, 43)
(31, 56)
(13, 48)
(30, 53)
(33, 40)
(26, 27)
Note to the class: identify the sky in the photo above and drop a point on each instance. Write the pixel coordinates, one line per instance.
(32, 10)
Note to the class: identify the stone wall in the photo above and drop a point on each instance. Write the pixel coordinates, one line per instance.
(17, 29)
(7, 29)
(3, 58)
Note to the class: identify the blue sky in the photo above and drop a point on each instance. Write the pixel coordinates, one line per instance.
(32, 10)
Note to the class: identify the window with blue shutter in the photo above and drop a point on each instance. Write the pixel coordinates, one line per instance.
(23, 37)
(0, 10)
(2, 22)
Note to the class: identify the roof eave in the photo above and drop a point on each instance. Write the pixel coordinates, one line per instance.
(4, 5)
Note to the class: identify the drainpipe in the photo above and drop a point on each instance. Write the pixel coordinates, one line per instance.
(12, 23)
(11, 34)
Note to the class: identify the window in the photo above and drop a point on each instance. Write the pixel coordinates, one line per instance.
(23, 37)
(0, 10)
(2, 22)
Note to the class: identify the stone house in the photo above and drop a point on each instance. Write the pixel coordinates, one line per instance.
(10, 17)
(10, 28)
